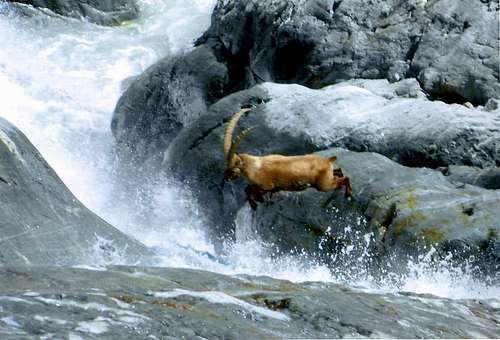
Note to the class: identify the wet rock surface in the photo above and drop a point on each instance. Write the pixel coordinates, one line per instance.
(107, 12)
(405, 208)
(395, 210)
(41, 222)
(168, 96)
(131, 302)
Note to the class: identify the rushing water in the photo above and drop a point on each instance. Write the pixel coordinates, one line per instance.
(59, 82)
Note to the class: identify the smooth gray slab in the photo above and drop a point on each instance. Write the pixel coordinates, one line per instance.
(42, 223)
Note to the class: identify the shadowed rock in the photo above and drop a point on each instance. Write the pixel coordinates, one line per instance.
(488, 178)
(449, 45)
(42, 223)
(102, 12)
(169, 95)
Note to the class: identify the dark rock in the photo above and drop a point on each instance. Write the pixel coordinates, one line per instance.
(409, 208)
(42, 223)
(449, 45)
(138, 302)
(314, 43)
(102, 12)
(457, 57)
(169, 95)
(488, 178)
(417, 207)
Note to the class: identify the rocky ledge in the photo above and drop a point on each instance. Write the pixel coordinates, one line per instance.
(149, 303)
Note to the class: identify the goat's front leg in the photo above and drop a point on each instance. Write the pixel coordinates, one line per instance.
(254, 194)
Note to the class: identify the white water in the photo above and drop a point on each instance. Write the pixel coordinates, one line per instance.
(59, 82)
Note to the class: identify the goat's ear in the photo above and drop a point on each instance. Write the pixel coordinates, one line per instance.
(333, 158)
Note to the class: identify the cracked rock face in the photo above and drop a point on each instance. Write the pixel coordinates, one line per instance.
(449, 46)
(404, 207)
(42, 223)
(102, 12)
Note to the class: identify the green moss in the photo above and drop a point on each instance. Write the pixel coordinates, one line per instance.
(277, 304)
(432, 235)
(171, 305)
(127, 299)
(411, 200)
(408, 221)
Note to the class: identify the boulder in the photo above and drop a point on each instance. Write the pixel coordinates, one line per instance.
(396, 213)
(457, 55)
(488, 178)
(404, 207)
(107, 12)
(449, 45)
(42, 223)
(169, 95)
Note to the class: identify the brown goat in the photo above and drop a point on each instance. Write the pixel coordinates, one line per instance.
(273, 173)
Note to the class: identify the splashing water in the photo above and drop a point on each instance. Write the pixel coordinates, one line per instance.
(60, 80)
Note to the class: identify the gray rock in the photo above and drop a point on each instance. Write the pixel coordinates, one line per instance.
(42, 223)
(457, 57)
(169, 95)
(410, 207)
(449, 45)
(396, 212)
(406, 208)
(152, 303)
(488, 178)
(102, 12)
(492, 105)
(414, 132)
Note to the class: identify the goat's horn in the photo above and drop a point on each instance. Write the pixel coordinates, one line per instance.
(237, 142)
(228, 133)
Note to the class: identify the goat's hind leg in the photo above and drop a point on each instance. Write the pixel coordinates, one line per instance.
(334, 183)
(342, 181)
(346, 183)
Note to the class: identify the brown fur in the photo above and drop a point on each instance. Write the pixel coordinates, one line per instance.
(273, 173)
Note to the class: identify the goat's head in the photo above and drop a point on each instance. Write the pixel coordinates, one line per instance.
(234, 163)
